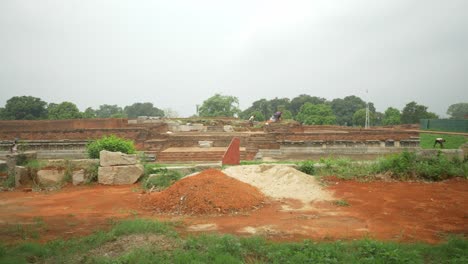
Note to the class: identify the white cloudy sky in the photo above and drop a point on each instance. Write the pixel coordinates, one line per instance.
(176, 54)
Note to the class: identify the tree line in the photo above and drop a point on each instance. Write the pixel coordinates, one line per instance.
(309, 110)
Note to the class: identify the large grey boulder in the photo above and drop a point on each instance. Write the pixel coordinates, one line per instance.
(50, 177)
(108, 158)
(120, 175)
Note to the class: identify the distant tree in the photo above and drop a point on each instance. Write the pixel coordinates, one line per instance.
(392, 116)
(107, 111)
(286, 115)
(345, 108)
(142, 109)
(359, 118)
(279, 104)
(64, 110)
(89, 113)
(258, 116)
(220, 105)
(320, 114)
(263, 106)
(170, 113)
(413, 112)
(298, 101)
(378, 119)
(24, 108)
(458, 111)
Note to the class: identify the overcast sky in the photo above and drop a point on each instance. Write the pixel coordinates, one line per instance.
(176, 54)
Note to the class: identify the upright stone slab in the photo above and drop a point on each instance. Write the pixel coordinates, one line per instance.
(108, 158)
(22, 176)
(232, 154)
(78, 177)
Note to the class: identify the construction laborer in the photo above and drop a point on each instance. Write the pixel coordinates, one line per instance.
(251, 120)
(14, 146)
(277, 116)
(439, 141)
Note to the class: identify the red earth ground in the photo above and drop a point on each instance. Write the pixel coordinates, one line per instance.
(395, 211)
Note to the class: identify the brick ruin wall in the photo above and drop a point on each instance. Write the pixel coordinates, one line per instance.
(153, 137)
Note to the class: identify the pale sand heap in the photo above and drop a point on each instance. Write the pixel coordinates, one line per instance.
(280, 181)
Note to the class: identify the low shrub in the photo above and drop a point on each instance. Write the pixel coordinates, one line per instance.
(408, 165)
(307, 167)
(162, 178)
(109, 143)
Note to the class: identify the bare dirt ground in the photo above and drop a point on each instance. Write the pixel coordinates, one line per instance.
(397, 211)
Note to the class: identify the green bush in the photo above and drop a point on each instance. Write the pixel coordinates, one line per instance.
(307, 167)
(408, 165)
(163, 178)
(109, 143)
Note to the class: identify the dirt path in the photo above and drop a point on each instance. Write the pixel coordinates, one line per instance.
(384, 210)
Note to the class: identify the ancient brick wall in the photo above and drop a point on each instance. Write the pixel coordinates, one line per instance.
(71, 124)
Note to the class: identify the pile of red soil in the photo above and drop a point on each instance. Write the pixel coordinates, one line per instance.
(209, 192)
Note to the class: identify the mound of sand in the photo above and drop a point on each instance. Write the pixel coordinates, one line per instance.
(208, 192)
(280, 181)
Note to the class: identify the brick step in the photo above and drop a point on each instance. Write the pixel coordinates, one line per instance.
(193, 156)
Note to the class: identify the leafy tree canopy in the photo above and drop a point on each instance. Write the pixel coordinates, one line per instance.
(107, 111)
(64, 110)
(142, 109)
(220, 105)
(298, 101)
(89, 113)
(320, 114)
(24, 108)
(413, 112)
(258, 116)
(359, 118)
(458, 111)
(392, 116)
(345, 108)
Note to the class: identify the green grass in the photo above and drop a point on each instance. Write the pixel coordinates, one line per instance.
(228, 249)
(452, 141)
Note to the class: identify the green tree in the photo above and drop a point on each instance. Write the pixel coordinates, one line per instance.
(220, 105)
(258, 116)
(89, 113)
(64, 110)
(263, 106)
(458, 111)
(345, 108)
(413, 112)
(142, 109)
(107, 111)
(298, 101)
(359, 118)
(320, 114)
(392, 116)
(24, 108)
(286, 115)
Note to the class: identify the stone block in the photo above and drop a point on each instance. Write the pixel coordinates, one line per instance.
(108, 158)
(50, 177)
(78, 177)
(83, 163)
(205, 144)
(119, 175)
(22, 177)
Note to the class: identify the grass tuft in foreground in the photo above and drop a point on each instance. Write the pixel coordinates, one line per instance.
(226, 249)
